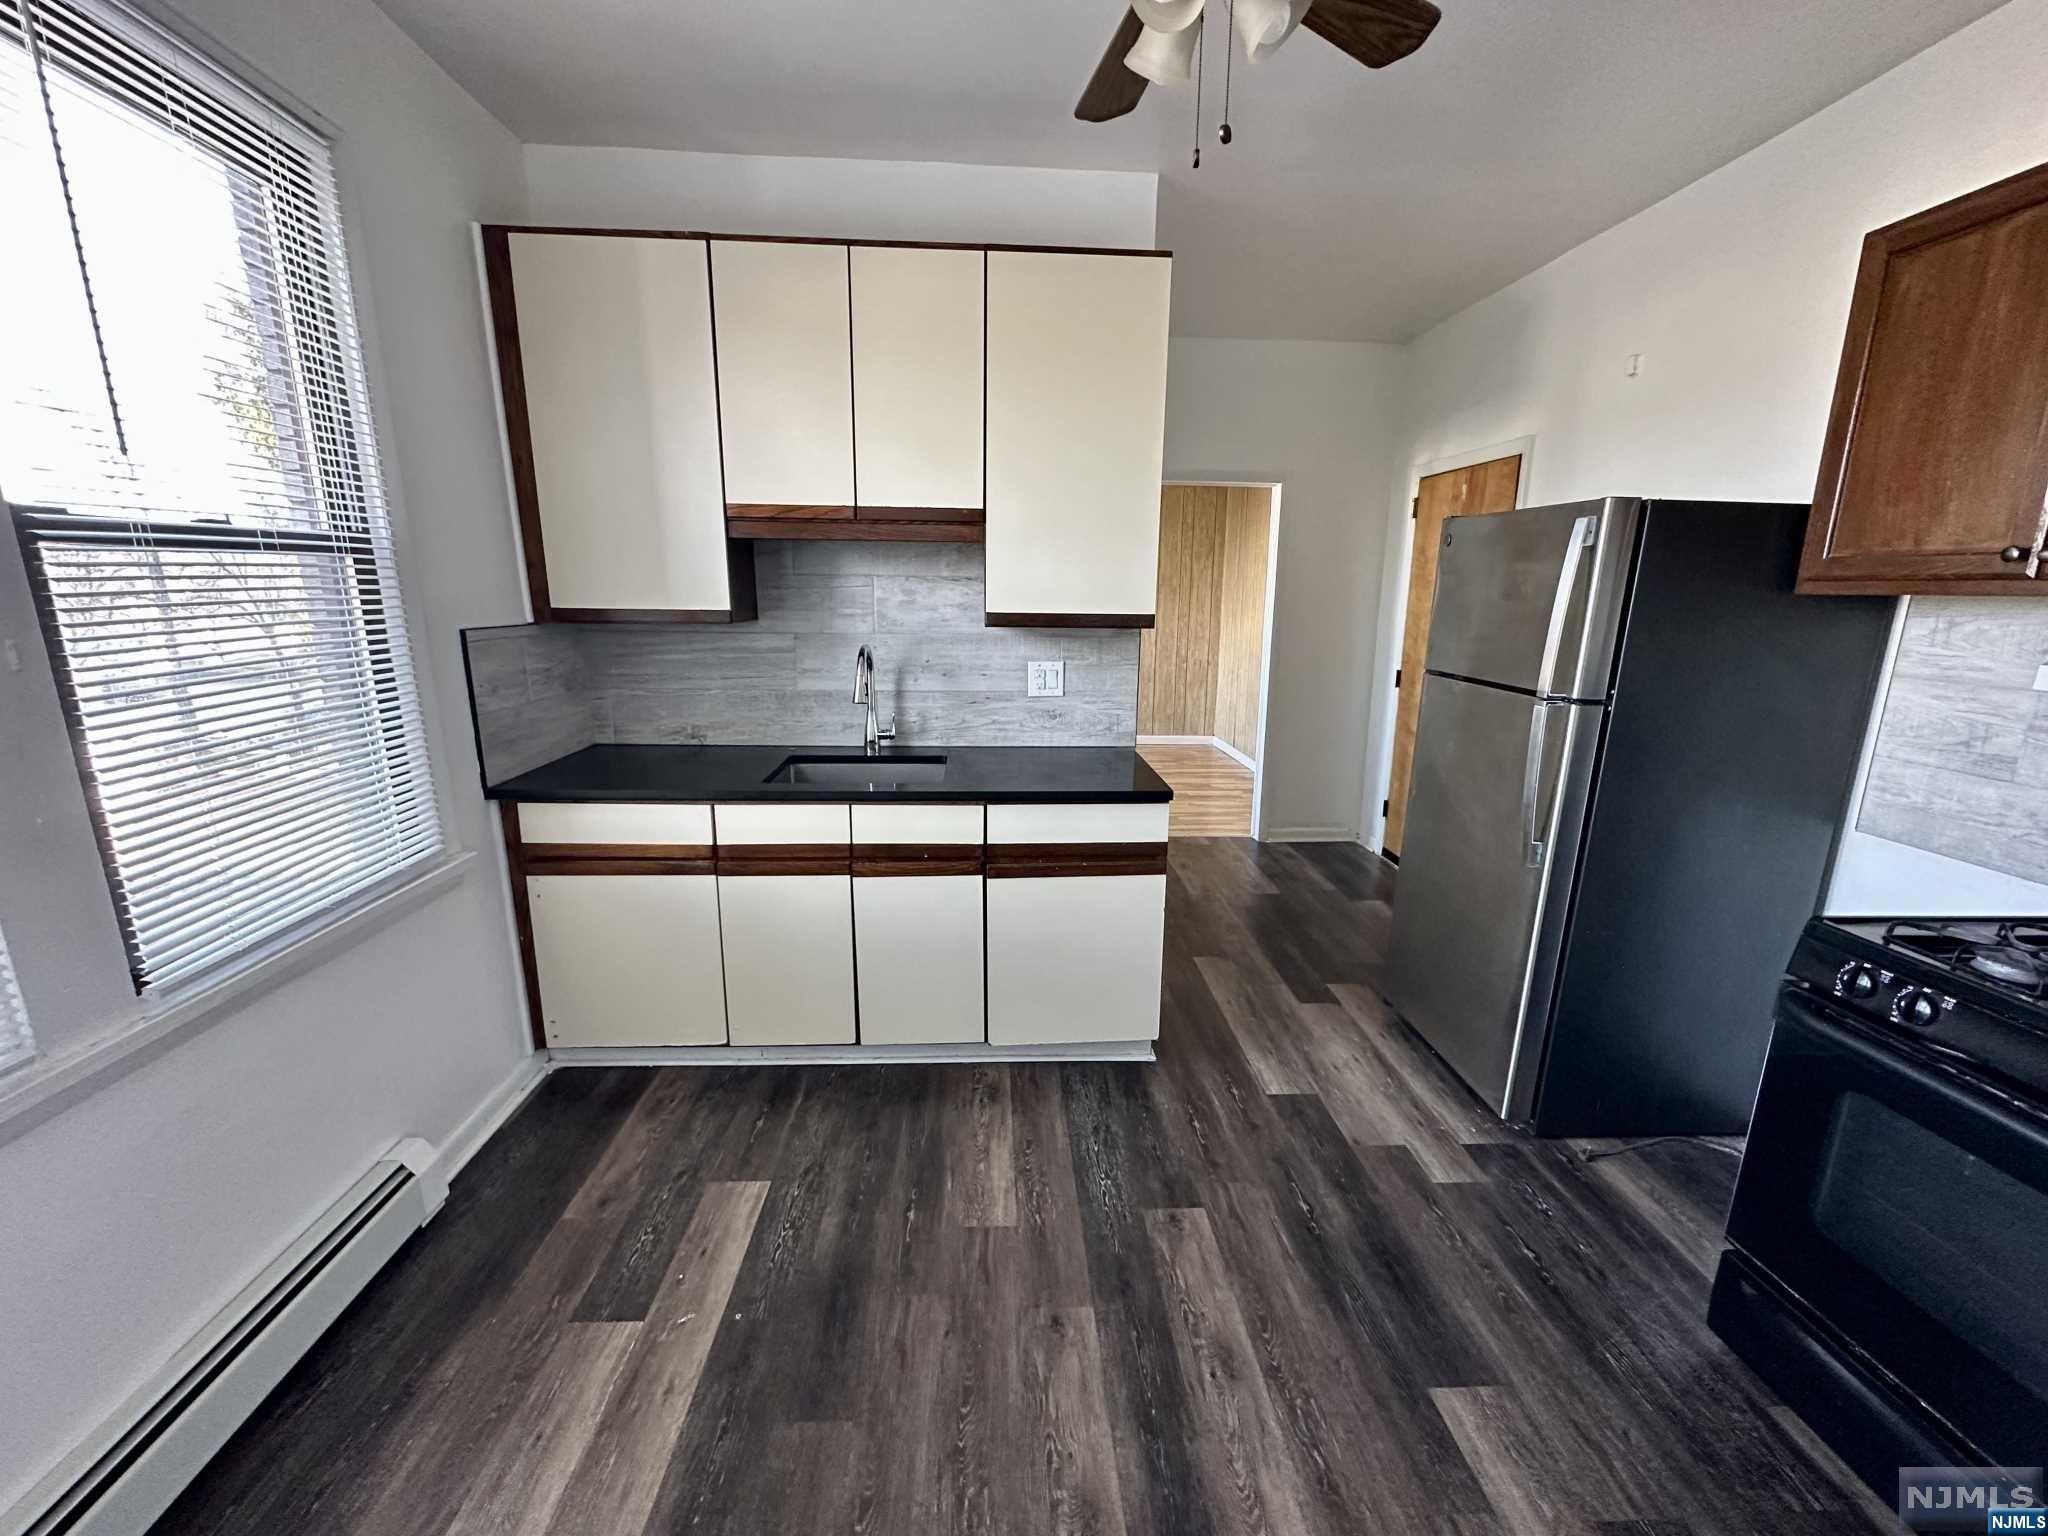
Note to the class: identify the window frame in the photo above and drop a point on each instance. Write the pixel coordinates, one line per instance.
(176, 1005)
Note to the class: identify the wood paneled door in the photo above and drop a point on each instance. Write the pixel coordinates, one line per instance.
(1934, 471)
(1475, 490)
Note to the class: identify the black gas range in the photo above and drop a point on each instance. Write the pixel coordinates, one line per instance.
(1887, 1261)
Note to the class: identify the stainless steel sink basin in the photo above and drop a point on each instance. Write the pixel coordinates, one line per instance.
(859, 772)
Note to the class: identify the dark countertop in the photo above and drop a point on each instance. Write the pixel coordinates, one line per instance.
(998, 775)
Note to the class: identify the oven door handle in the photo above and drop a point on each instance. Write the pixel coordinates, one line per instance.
(1975, 1097)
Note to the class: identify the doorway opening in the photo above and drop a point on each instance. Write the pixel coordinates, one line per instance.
(1202, 667)
(1467, 485)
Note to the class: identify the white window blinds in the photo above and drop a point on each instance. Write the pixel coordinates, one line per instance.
(186, 446)
(16, 1043)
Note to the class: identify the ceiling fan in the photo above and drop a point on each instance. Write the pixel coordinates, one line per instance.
(1156, 40)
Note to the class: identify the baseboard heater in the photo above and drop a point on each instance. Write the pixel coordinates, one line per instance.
(128, 1473)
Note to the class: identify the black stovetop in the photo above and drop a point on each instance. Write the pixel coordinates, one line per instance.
(1972, 993)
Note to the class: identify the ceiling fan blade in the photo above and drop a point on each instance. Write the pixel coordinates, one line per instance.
(1113, 90)
(1374, 32)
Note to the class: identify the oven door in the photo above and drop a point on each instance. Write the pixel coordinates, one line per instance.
(1909, 1210)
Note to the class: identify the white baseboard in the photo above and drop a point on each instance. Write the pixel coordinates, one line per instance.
(467, 1139)
(842, 1055)
(1312, 835)
(1199, 741)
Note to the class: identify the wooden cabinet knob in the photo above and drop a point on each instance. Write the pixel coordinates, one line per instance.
(2012, 554)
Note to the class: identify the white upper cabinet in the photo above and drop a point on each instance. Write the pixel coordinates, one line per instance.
(1076, 432)
(917, 376)
(785, 372)
(621, 409)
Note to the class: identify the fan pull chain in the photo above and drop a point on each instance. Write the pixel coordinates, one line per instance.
(1229, 47)
(1201, 43)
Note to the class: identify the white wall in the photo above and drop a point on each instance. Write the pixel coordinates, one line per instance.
(1735, 291)
(129, 1216)
(853, 199)
(1320, 418)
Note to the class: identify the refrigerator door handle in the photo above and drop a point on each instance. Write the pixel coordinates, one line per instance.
(1584, 531)
(1532, 785)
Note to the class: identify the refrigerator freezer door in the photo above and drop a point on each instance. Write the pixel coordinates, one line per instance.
(1532, 599)
(1493, 831)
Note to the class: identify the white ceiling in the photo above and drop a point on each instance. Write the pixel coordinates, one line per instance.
(1354, 205)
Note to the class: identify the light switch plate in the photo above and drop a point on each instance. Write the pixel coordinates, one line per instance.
(2041, 679)
(1045, 679)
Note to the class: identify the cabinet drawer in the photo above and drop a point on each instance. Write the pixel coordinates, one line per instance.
(920, 949)
(645, 825)
(788, 958)
(917, 824)
(1121, 823)
(760, 825)
(628, 960)
(1107, 933)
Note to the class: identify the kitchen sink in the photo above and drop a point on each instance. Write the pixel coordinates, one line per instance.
(856, 772)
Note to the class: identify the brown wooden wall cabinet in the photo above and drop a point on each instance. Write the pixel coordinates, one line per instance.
(1934, 472)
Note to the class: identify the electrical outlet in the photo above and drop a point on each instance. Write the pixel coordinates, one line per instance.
(1045, 679)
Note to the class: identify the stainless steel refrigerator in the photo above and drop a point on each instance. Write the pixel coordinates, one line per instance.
(1633, 752)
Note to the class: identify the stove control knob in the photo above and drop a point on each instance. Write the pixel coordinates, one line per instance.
(1856, 981)
(1918, 1006)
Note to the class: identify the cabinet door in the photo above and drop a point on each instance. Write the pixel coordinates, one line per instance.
(628, 959)
(788, 958)
(1076, 431)
(917, 923)
(917, 377)
(1934, 472)
(1075, 959)
(608, 377)
(785, 373)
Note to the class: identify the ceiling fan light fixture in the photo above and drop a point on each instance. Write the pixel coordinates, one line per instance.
(1263, 25)
(1167, 15)
(1164, 58)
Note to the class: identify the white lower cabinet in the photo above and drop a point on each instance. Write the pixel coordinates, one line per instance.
(1075, 958)
(788, 958)
(919, 939)
(628, 960)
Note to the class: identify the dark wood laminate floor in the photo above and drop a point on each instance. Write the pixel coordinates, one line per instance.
(1290, 1279)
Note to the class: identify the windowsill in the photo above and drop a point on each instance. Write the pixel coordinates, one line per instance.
(31, 1094)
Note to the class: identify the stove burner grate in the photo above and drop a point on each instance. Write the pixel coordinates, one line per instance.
(2012, 954)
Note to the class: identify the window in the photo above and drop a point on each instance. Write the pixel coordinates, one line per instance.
(16, 1043)
(186, 447)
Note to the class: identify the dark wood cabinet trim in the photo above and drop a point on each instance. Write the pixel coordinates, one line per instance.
(765, 509)
(1039, 861)
(522, 920)
(617, 851)
(644, 616)
(841, 527)
(784, 859)
(1964, 572)
(518, 421)
(898, 859)
(898, 245)
(580, 866)
(918, 514)
(1069, 620)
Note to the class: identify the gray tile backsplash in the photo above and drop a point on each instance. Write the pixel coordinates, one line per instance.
(1960, 765)
(531, 695)
(788, 677)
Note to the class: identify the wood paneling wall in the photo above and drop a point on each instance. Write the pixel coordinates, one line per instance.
(1198, 670)
(1241, 628)
(1177, 657)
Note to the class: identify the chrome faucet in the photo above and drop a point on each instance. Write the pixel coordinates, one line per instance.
(864, 693)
